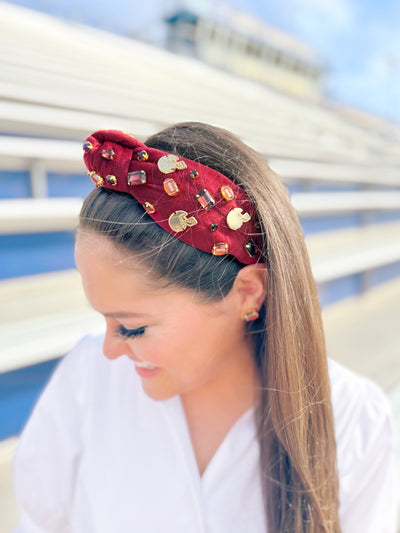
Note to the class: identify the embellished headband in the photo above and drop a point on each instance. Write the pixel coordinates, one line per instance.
(193, 202)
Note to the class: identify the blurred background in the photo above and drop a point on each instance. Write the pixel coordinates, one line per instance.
(313, 85)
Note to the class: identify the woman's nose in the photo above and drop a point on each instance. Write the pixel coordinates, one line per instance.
(114, 346)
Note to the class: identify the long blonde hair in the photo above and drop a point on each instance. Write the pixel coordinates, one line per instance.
(295, 420)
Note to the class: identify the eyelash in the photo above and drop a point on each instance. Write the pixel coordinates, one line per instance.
(130, 333)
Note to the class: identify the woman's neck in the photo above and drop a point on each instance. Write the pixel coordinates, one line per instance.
(211, 411)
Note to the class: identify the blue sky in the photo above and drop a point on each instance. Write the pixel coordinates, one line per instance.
(359, 39)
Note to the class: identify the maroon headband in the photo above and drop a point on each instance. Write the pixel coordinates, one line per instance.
(195, 203)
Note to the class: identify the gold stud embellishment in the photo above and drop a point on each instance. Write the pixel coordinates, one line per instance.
(220, 248)
(87, 146)
(236, 218)
(97, 180)
(142, 155)
(205, 199)
(250, 315)
(137, 178)
(108, 154)
(227, 193)
(194, 174)
(150, 209)
(169, 163)
(250, 248)
(170, 187)
(179, 221)
(111, 179)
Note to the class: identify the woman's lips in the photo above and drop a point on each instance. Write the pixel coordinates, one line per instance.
(146, 370)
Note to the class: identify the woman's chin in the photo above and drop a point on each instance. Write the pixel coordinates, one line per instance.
(157, 391)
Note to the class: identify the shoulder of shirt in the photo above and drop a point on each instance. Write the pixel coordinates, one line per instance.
(351, 391)
(362, 414)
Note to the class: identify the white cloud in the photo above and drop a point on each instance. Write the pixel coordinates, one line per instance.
(338, 12)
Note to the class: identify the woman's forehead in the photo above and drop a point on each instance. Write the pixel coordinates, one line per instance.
(91, 246)
(119, 273)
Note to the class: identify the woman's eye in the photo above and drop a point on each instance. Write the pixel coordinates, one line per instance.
(130, 333)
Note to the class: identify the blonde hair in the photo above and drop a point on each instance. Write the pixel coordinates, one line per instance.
(295, 420)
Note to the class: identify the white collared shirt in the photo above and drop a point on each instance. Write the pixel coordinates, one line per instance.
(99, 456)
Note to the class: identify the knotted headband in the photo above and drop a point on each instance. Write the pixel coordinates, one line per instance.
(195, 203)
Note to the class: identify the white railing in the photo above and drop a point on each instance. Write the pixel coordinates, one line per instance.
(35, 215)
(56, 314)
(31, 215)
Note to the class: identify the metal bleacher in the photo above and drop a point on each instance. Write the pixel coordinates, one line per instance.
(59, 82)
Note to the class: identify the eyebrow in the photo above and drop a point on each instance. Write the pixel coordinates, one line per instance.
(124, 314)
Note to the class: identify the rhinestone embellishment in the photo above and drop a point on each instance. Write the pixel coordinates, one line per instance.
(170, 187)
(205, 199)
(150, 209)
(87, 146)
(142, 155)
(251, 315)
(227, 193)
(97, 180)
(250, 248)
(137, 178)
(108, 154)
(220, 248)
(111, 180)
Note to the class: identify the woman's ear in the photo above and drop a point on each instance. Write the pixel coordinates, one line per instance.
(251, 287)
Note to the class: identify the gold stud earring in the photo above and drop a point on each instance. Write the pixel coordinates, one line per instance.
(251, 315)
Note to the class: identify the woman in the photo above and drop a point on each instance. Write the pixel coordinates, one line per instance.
(217, 412)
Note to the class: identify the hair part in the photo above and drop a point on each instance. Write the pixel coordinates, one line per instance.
(296, 429)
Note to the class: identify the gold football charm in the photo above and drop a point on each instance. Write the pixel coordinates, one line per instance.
(169, 163)
(236, 218)
(179, 221)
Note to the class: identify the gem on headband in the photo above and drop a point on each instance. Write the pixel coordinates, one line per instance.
(154, 190)
(236, 218)
(250, 248)
(142, 155)
(227, 193)
(150, 209)
(220, 248)
(97, 180)
(111, 179)
(170, 187)
(205, 199)
(169, 163)
(87, 146)
(179, 221)
(137, 178)
(108, 154)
